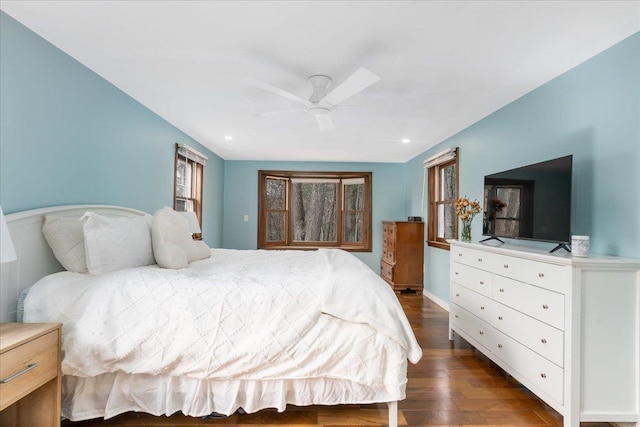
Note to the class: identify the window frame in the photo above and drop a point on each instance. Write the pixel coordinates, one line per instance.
(197, 181)
(435, 200)
(341, 242)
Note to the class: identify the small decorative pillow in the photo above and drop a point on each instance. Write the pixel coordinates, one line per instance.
(114, 243)
(66, 240)
(173, 246)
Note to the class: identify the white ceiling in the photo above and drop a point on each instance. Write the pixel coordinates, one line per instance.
(443, 65)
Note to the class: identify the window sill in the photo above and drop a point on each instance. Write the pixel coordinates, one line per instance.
(439, 245)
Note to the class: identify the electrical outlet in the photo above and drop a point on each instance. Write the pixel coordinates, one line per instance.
(246, 218)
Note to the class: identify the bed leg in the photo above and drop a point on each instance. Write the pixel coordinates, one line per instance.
(393, 413)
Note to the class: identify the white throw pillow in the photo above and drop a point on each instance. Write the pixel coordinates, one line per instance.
(66, 240)
(173, 246)
(114, 243)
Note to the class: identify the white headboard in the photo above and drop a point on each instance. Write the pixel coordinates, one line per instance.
(35, 259)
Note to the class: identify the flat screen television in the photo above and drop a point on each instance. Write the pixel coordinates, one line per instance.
(530, 202)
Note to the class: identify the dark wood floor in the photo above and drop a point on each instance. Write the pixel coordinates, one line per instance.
(453, 385)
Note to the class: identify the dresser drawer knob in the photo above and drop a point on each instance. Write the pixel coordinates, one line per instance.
(481, 282)
(455, 315)
(501, 289)
(545, 306)
(506, 266)
(543, 341)
(499, 345)
(541, 275)
(16, 375)
(479, 259)
(457, 294)
(459, 253)
(456, 273)
(481, 333)
(499, 317)
(543, 375)
(482, 307)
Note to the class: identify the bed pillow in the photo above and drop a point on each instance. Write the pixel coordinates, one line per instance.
(114, 243)
(66, 240)
(173, 246)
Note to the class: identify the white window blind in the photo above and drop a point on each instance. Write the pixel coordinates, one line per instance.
(192, 154)
(314, 180)
(440, 158)
(353, 181)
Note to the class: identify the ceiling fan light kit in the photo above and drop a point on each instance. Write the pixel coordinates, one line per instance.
(321, 102)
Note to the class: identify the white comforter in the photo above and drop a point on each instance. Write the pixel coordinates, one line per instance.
(237, 315)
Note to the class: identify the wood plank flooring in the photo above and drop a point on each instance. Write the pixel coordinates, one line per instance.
(453, 385)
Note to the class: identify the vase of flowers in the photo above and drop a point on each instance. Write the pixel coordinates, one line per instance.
(466, 210)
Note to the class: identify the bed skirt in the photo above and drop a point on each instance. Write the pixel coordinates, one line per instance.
(111, 394)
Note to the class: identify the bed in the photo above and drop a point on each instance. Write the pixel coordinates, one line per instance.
(237, 330)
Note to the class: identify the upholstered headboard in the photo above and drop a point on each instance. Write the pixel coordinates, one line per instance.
(35, 259)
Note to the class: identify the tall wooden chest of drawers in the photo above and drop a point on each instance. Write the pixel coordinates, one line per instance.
(402, 254)
(567, 328)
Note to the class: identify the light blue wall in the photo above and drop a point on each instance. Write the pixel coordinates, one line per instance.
(241, 198)
(592, 112)
(68, 136)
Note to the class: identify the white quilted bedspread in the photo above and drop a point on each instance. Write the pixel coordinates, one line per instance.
(236, 315)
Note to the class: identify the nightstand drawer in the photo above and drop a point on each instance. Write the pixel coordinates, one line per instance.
(38, 359)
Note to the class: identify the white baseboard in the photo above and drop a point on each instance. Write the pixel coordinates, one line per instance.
(435, 299)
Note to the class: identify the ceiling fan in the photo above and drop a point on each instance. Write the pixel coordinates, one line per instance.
(321, 102)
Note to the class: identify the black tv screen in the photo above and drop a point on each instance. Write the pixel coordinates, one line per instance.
(530, 202)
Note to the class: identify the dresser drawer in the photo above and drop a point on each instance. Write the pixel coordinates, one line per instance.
(545, 275)
(473, 302)
(473, 326)
(473, 257)
(544, 339)
(388, 233)
(386, 271)
(542, 304)
(38, 359)
(534, 369)
(472, 278)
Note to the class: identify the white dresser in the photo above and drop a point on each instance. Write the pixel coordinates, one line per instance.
(567, 328)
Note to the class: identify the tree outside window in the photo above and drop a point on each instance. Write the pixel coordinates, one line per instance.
(315, 209)
(188, 182)
(442, 177)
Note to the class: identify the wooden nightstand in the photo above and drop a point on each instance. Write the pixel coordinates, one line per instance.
(30, 374)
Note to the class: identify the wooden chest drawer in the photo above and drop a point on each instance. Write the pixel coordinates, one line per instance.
(386, 271)
(542, 304)
(38, 359)
(389, 230)
(472, 278)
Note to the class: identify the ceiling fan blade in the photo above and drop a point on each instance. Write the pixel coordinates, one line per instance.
(356, 82)
(324, 121)
(278, 91)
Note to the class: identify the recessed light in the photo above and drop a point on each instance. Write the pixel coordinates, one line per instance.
(228, 137)
(405, 140)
